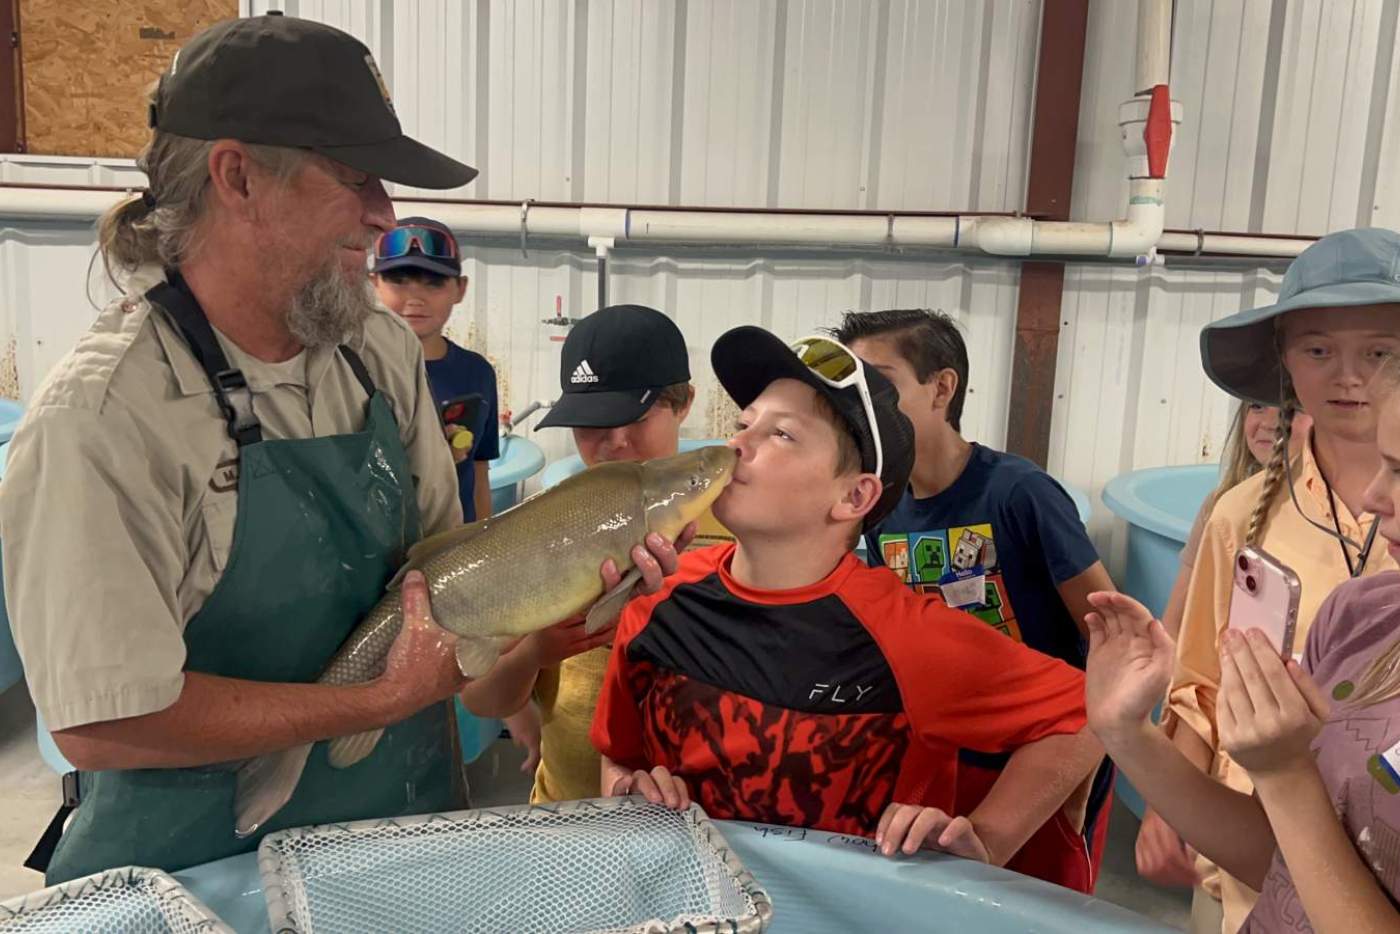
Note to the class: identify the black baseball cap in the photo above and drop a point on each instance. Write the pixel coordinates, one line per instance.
(614, 363)
(282, 81)
(747, 359)
(450, 266)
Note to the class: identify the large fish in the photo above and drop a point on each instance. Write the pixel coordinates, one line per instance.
(504, 577)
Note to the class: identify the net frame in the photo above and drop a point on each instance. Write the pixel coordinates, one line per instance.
(279, 856)
(124, 890)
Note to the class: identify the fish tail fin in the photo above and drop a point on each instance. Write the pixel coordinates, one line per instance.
(345, 751)
(265, 784)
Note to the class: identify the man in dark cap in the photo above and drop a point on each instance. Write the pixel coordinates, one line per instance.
(216, 484)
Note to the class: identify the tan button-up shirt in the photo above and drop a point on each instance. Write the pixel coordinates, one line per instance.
(121, 490)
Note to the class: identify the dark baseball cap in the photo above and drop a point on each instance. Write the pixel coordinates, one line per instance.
(747, 359)
(282, 81)
(615, 362)
(415, 258)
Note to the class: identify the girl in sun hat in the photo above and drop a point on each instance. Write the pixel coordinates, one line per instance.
(1307, 809)
(1315, 350)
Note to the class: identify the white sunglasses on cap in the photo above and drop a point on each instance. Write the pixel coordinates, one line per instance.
(837, 365)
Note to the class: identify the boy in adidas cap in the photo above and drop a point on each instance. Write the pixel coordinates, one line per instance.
(624, 378)
(780, 680)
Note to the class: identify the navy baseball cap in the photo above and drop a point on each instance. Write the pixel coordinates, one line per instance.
(418, 243)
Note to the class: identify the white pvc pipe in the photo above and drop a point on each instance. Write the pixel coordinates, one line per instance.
(1233, 245)
(680, 226)
(1154, 44)
(998, 236)
(49, 204)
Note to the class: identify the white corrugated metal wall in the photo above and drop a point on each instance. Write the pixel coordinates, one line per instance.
(891, 104)
(713, 102)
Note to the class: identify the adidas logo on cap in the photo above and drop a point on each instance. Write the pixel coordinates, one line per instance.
(583, 373)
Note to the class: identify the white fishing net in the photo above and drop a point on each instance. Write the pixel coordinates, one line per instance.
(138, 901)
(616, 865)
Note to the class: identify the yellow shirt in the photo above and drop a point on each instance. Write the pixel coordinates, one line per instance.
(570, 768)
(1312, 554)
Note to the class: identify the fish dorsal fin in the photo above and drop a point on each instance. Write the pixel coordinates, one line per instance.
(628, 469)
(426, 549)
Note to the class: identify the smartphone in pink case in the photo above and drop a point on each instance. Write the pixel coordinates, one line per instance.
(1265, 596)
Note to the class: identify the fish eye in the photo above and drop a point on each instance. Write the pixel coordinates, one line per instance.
(694, 481)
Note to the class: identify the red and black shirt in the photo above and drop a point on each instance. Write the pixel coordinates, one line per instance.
(817, 707)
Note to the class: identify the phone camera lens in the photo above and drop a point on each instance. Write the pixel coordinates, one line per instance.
(1244, 563)
(1250, 584)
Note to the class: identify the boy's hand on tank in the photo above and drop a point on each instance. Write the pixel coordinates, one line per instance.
(421, 668)
(658, 786)
(904, 828)
(1269, 711)
(1129, 666)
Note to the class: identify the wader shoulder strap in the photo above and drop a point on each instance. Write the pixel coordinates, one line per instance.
(234, 397)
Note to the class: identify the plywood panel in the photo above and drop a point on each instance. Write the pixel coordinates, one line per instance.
(87, 66)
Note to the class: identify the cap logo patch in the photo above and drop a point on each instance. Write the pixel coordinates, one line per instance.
(379, 80)
(583, 373)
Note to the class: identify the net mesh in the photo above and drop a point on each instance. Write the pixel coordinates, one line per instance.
(619, 865)
(141, 901)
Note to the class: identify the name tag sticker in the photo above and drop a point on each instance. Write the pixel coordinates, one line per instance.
(1391, 758)
(1385, 768)
(964, 588)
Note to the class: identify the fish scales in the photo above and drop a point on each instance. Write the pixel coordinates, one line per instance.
(516, 573)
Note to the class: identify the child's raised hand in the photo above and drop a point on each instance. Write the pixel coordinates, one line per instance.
(1269, 711)
(1129, 666)
(906, 827)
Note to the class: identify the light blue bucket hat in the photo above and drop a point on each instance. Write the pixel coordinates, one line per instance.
(1352, 267)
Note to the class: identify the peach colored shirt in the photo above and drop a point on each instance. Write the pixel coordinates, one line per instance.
(1314, 556)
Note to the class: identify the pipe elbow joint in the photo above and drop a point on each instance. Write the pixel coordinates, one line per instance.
(1135, 237)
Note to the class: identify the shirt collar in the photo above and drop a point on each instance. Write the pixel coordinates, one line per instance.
(1311, 486)
(191, 378)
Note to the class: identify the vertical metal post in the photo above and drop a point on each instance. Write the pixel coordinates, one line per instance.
(11, 80)
(1059, 76)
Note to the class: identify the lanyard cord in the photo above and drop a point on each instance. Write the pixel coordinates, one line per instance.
(1361, 553)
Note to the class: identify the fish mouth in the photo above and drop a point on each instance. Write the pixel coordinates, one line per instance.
(728, 460)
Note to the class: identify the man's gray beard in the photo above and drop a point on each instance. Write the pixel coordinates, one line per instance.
(331, 309)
